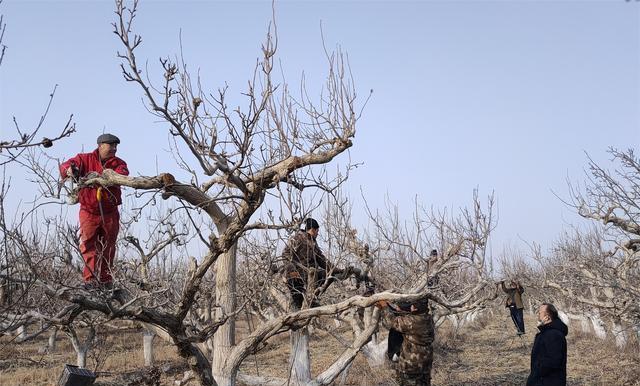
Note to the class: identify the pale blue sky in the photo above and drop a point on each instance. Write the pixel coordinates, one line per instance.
(503, 96)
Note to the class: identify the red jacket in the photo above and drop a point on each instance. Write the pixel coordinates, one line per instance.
(90, 162)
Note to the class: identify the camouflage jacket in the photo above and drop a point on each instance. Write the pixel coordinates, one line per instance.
(417, 351)
(300, 254)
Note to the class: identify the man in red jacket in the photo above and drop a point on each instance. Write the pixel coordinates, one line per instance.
(99, 216)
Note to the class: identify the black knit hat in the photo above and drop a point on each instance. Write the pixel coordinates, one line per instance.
(108, 138)
(311, 224)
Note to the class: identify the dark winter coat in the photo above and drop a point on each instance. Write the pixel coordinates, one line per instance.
(301, 253)
(549, 355)
(110, 196)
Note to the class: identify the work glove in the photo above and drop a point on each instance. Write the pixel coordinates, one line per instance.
(73, 172)
(382, 304)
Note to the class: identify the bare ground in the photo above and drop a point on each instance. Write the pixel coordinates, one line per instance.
(483, 354)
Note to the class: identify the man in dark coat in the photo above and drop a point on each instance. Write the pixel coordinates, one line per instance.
(306, 267)
(549, 352)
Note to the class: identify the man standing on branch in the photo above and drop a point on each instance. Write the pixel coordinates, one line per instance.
(99, 216)
(514, 303)
(307, 271)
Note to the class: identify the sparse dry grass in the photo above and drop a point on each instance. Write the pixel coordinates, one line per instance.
(490, 353)
(484, 354)
(24, 364)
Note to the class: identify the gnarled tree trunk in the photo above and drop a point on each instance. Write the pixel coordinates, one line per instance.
(224, 338)
(82, 349)
(147, 343)
(51, 342)
(299, 357)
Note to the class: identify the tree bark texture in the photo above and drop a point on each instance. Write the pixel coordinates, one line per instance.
(147, 342)
(224, 337)
(299, 357)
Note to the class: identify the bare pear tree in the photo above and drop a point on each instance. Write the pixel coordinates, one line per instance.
(238, 161)
(597, 268)
(151, 266)
(461, 271)
(459, 278)
(268, 297)
(14, 280)
(44, 250)
(235, 159)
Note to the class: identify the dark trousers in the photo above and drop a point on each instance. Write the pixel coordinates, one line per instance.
(297, 289)
(394, 343)
(517, 317)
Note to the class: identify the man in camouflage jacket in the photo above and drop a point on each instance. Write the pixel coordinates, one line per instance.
(416, 355)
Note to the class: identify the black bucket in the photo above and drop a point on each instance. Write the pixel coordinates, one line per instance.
(76, 376)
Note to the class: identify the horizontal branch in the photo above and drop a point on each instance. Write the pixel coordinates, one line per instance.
(166, 182)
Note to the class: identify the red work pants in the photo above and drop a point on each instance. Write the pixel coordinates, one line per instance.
(98, 235)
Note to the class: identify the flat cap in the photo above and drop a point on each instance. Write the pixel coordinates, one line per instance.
(108, 138)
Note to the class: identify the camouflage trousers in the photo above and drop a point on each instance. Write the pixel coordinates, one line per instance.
(414, 365)
(405, 379)
(409, 378)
